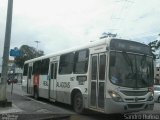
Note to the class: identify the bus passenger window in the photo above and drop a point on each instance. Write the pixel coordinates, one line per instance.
(30, 72)
(55, 71)
(81, 61)
(66, 63)
(25, 70)
(52, 66)
(102, 66)
(36, 67)
(94, 68)
(45, 66)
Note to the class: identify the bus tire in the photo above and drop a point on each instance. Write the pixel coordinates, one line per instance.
(78, 103)
(36, 95)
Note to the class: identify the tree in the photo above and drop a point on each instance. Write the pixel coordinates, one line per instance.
(28, 53)
(104, 35)
(154, 45)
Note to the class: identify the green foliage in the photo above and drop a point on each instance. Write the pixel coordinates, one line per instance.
(154, 45)
(28, 53)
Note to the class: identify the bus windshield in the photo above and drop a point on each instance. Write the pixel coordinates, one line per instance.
(131, 70)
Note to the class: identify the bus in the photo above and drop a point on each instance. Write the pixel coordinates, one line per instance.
(109, 76)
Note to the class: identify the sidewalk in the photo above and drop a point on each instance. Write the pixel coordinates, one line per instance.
(13, 109)
(15, 113)
(24, 108)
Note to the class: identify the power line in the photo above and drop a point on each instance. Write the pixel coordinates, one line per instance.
(117, 20)
(144, 34)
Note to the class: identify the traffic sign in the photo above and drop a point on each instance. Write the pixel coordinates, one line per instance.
(16, 53)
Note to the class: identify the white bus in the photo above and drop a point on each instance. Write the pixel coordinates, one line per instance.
(108, 76)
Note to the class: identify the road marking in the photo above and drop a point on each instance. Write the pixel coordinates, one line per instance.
(43, 111)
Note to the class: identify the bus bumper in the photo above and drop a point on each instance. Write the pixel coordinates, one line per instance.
(123, 107)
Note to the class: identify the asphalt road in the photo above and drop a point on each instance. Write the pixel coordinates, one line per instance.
(43, 108)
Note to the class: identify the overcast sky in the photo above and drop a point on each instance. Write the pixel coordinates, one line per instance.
(62, 24)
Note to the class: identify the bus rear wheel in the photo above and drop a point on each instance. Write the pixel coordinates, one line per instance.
(78, 103)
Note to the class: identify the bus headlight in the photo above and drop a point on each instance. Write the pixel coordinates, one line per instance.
(116, 97)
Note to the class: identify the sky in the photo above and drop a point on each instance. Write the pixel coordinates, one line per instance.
(62, 24)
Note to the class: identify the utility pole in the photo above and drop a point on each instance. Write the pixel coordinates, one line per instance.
(3, 81)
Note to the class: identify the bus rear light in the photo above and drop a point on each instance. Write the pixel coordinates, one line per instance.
(115, 96)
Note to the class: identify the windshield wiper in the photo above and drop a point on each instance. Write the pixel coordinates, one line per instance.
(128, 60)
(143, 61)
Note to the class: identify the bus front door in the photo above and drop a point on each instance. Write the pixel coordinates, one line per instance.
(97, 84)
(52, 80)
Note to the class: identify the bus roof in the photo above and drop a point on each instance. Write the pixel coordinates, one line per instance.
(89, 45)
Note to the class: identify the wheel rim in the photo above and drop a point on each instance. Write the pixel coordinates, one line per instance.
(78, 103)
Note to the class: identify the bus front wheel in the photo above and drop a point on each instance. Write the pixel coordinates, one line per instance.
(78, 103)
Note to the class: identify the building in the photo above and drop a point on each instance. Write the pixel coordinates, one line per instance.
(157, 75)
(13, 71)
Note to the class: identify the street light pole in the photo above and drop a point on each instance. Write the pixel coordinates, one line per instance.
(3, 81)
(37, 47)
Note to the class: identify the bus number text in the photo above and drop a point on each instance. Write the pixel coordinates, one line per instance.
(63, 84)
(45, 83)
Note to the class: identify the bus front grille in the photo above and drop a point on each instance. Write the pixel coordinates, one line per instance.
(134, 93)
(134, 100)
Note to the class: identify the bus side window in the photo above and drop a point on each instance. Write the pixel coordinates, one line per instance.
(81, 61)
(55, 71)
(25, 70)
(102, 65)
(52, 66)
(30, 73)
(45, 66)
(66, 63)
(36, 67)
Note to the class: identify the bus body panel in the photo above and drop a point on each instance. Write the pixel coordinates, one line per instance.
(24, 84)
(63, 88)
(122, 107)
(52, 87)
(43, 86)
